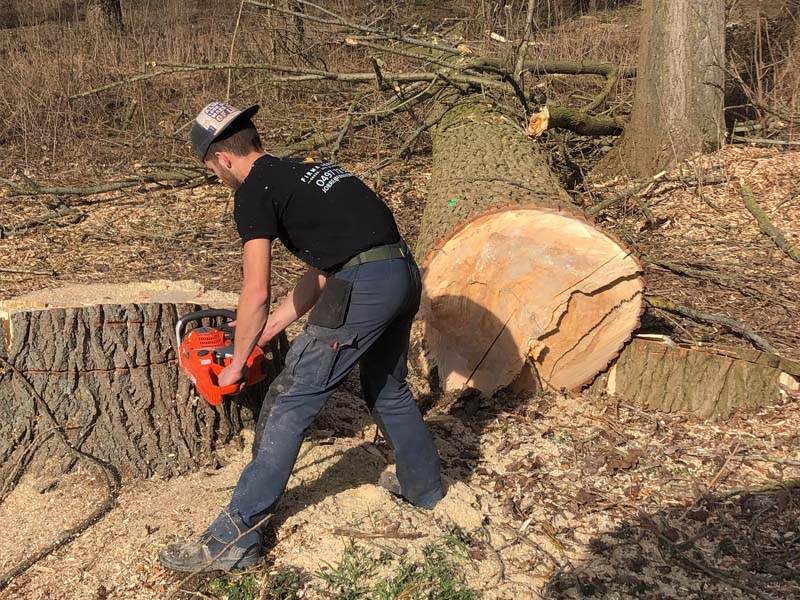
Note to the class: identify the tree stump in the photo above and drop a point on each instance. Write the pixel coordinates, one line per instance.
(513, 273)
(109, 374)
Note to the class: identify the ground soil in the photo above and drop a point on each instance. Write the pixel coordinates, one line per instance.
(566, 497)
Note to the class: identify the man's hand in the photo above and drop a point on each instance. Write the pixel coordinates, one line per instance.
(230, 375)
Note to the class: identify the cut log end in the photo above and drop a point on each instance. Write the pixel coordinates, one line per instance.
(528, 285)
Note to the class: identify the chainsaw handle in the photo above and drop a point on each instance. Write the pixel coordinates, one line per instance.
(199, 315)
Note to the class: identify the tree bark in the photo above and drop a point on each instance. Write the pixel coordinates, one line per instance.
(105, 13)
(513, 272)
(706, 381)
(109, 374)
(678, 105)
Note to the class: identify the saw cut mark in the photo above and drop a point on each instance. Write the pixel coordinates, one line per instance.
(489, 349)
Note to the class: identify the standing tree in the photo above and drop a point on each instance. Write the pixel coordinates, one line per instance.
(678, 107)
(105, 13)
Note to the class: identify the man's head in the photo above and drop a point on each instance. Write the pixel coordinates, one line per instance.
(227, 142)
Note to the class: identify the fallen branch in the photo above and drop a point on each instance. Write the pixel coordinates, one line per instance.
(295, 75)
(757, 141)
(732, 324)
(734, 281)
(560, 67)
(27, 272)
(15, 231)
(579, 122)
(767, 228)
(153, 178)
(786, 485)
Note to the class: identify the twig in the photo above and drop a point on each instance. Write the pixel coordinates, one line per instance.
(429, 122)
(611, 80)
(108, 471)
(370, 535)
(772, 459)
(767, 228)
(626, 193)
(339, 20)
(522, 50)
(788, 485)
(27, 271)
(736, 326)
(697, 565)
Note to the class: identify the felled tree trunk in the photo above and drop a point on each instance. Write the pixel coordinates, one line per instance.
(109, 375)
(513, 273)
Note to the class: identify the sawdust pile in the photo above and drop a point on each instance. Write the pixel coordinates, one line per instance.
(563, 497)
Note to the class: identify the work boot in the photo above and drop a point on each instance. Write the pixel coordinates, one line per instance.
(209, 554)
(228, 543)
(388, 480)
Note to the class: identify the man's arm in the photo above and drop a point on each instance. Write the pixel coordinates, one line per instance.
(299, 301)
(251, 313)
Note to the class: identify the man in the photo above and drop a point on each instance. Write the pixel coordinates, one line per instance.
(364, 287)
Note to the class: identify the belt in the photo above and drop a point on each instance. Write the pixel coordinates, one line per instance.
(398, 250)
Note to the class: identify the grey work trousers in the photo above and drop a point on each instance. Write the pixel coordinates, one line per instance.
(375, 335)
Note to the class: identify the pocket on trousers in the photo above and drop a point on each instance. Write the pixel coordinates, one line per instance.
(321, 354)
(331, 308)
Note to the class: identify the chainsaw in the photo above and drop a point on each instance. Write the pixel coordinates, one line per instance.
(204, 352)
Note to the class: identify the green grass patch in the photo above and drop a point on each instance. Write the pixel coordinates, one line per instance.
(437, 576)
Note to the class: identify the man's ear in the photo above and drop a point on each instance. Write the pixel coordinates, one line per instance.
(223, 159)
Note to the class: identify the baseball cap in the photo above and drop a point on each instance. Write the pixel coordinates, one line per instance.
(212, 121)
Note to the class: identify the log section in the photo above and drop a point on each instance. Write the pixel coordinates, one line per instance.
(708, 381)
(513, 273)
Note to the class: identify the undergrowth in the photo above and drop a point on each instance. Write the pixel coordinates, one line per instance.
(363, 574)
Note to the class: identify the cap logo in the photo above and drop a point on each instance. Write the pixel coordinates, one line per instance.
(214, 115)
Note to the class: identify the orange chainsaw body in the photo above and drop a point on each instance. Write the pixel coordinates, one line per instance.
(205, 351)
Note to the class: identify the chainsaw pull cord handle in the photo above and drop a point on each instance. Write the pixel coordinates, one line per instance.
(199, 315)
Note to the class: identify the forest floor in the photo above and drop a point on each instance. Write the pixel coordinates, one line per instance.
(558, 497)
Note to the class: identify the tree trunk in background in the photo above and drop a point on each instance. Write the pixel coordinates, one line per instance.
(678, 106)
(110, 376)
(105, 13)
(513, 274)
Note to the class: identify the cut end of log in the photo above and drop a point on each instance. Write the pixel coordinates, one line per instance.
(539, 123)
(528, 285)
(160, 291)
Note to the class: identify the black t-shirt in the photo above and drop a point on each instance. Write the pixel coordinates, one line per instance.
(322, 213)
